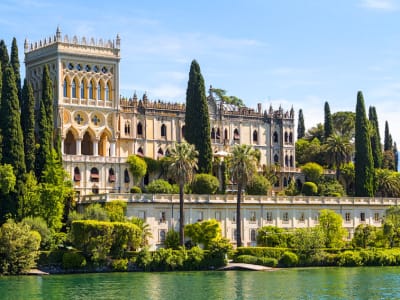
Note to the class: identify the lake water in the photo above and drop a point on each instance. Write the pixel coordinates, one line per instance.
(307, 283)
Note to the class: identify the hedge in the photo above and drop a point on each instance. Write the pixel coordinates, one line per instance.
(273, 252)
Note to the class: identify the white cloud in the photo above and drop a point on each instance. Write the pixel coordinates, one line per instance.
(382, 5)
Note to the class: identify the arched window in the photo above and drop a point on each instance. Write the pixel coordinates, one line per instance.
(284, 181)
(111, 175)
(275, 137)
(218, 134)
(91, 87)
(253, 235)
(139, 129)
(213, 133)
(87, 145)
(107, 92)
(73, 89)
(95, 189)
(65, 88)
(70, 144)
(255, 136)
(291, 162)
(160, 152)
(140, 151)
(226, 134)
(126, 176)
(291, 137)
(236, 135)
(183, 131)
(286, 161)
(167, 152)
(276, 158)
(162, 235)
(82, 90)
(286, 137)
(77, 174)
(127, 128)
(94, 175)
(163, 130)
(98, 91)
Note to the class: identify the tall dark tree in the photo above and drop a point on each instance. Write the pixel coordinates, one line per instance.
(28, 125)
(375, 138)
(13, 149)
(4, 58)
(396, 157)
(197, 122)
(301, 129)
(364, 163)
(328, 123)
(45, 124)
(387, 142)
(14, 60)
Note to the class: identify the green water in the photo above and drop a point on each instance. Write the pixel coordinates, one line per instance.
(312, 283)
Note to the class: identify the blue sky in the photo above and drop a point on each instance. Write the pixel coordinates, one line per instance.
(290, 53)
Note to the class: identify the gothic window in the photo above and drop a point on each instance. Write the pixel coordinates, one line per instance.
(139, 129)
(95, 189)
(107, 92)
(276, 158)
(286, 161)
(73, 89)
(82, 90)
(70, 144)
(163, 130)
(167, 152)
(94, 175)
(77, 174)
(291, 163)
(226, 134)
(111, 175)
(127, 129)
(236, 135)
(160, 152)
(140, 151)
(65, 88)
(87, 144)
(291, 137)
(275, 137)
(255, 136)
(162, 235)
(91, 87)
(218, 134)
(253, 235)
(126, 176)
(285, 217)
(286, 137)
(99, 91)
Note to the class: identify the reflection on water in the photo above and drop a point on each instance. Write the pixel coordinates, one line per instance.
(310, 283)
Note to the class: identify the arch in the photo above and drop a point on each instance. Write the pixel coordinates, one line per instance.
(291, 137)
(91, 89)
(73, 88)
(163, 130)
(77, 174)
(276, 158)
(236, 135)
(108, 91)
(70, 143)
(275, 137)
(65, 88)
(111, 175)
(94, 175)
(87, 144)
(167, 152)
(286, 161)
(253, 235)
(226, 136)
(140, 151)
(127, 128)
(218, 134)
(139, 129)
(291, 161)
(82, 89)
(255, 136)
(213, 133)
(286, 137)
(160, 153)
(104, 143)
(99, 91)
(126, 176)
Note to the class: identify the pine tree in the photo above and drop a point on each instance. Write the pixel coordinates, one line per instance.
(375, 138)
(388, 142)
(4, 58)
(15, 65)
(45, 124)
(364, 164)
(328, 123)
(301, 129)
(197, 122)
(28, 125)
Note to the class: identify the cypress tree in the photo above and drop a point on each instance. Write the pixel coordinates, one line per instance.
(28, 125)
(4, 58)
(197, 121)
(396, 157)
(328, 123)
(301, 129)
(1, 87)
(364, 164)
(387, 142)
(375, 138)
(15, 65)
(45, 124)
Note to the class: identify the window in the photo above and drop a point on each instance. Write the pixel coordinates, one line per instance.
(77, 174)
(126, 176)
(142, 215)
(95, 189)
(301, 218)
(286, 161)
(236, 135)
(291, 137)
(65, 88)
(275, 137)
(253, 235)
(73, 89)
(163, 218)
(269, 216)
(98, 91)
(253, 217)
(218, 215)
(218, 134)
(285, 183)
(276, 158)
(200, 216)
(94, 175)
(291, 161)
(82, 90)
(163, 130)
(95, 120)
(286, 137)
(362, 217)
(285, 217)
(160, 153)
(107, 92)
(140, 151)
(139, 129)
(127, 128)
(183, 131)
(162, 234)
(347, 217)
(91, 90)
(111, 175)
(255, 136)
(376, 217)
(213, 133)
(79, 119)
(226, 134)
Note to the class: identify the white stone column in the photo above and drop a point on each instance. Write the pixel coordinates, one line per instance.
(78, 147)
(112, 149)
(62, 146)
(95, 147)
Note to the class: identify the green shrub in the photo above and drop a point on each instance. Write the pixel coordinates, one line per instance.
(95, 212)
(272, 236)
(349, 259)
(194, 258)
(136, 190)
(246, 259)
(309, 188)
(39, 224)
(119, 265)
(116, 210)
(50, 258)
(258, 186)
(330, 187)
(273, 252)
(172, 240)
(204, 184)
(159, 186)
(144, 259)
(73, 260)
(289, 259)
(267, 261)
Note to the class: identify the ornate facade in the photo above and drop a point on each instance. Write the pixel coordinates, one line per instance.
(100, 129)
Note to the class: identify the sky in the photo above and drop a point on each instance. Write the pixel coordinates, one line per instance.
(287, 53)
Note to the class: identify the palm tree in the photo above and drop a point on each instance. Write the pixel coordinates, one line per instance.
(338, 150)
(242, 166)
(144, 229)
(182, 161)
(387, 183)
